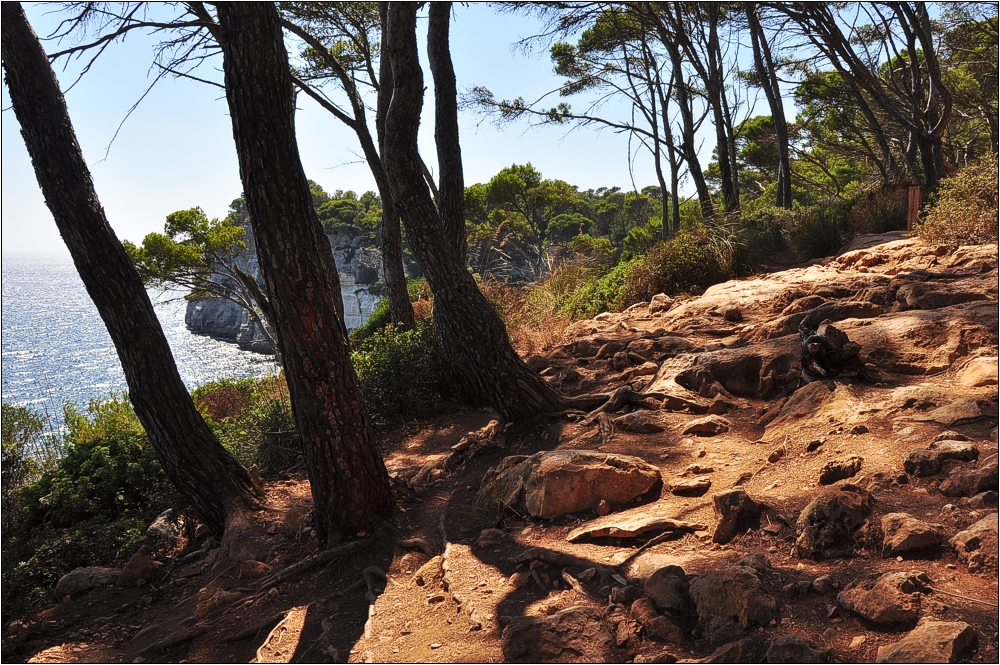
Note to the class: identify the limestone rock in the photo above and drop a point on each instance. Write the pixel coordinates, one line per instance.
(707, 426)
(960, 412)
(81, 579)
(893, 598)
(931, 642)
(166, 528)
(430, 572)
(979, 372)
(931, 295)
(632, 523)
(640, 422)
(828, 526)
(661, 302)
(690, 486)
(730, 601)
(977, 545)
(140, 567)
(553, 483)
(903, 533)
(927, 462)
(668, 589)
(840, 469)
(969, 482)
(794, 649)
(574, 635)
(733, 508)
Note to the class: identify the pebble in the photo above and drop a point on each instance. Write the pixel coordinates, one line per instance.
(857, 641)
(434, 645)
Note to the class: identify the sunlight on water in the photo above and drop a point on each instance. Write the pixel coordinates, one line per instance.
(56, 349)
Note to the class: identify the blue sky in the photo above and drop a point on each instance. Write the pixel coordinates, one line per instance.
(176, 150)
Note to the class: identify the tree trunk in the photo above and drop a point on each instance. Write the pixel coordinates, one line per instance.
(482, 348)
(768, 79)
(400, 307)
(350, 486)
(194, 461)
(451, 187)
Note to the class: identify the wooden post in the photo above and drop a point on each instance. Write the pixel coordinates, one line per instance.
(911, 214)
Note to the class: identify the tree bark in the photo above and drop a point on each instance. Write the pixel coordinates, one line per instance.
(349, 482)
(482, 349)
(451, 184)
(195, 462)
(768, 79)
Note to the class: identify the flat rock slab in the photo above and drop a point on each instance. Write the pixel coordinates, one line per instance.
(979, 372)
(556, 482)
(893, 598)
(960, 412)
(632, 523)
(690, 486)
(707, 426)
(977, 545)
(574, 635)
(931, 642)
(904, 533)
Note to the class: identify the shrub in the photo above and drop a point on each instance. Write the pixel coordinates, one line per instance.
(599, 293)
(401, 373)
(880, 211)
(821, 229)
(964, 210)
(531, 313)
(691, 258)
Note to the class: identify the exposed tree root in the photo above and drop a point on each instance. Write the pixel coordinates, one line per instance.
(323, 557)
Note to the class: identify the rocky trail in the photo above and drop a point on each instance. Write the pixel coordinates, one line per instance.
(714, 510)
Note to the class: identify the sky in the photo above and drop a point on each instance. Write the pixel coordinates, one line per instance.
(176, 150)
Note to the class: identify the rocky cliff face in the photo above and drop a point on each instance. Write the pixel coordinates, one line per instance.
(358, 265)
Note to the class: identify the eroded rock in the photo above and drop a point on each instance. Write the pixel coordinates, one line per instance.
(708, 426)
(574, 635)
(931, 642)
(828, 527)
(639, 422)
(979, 372)
(553, 483)
(893, 598)
(977, 545)
(668, 589)
(733, 508)
(632, 523)
(140, 567)
(730, 601)
(795, 649)
(840, 469)
(81, 579)
(964, 481)
(928, 461)
(904, 533)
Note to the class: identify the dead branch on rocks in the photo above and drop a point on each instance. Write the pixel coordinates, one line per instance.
(559, 559)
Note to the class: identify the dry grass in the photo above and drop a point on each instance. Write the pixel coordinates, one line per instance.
(531, 312)
(965, 209)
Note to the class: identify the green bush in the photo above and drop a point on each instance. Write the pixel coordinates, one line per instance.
(599, 293)
(964, 210)
(880, 211)
(401, 374)
(690, 258)
(821, 229)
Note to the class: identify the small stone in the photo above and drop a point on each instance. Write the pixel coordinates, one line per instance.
(977, 545)
(733, 315)
(733, 508)
(435, 645)
(822, 584)
(690, 486)
(794, 649)
(707, 426)
(776, 455)
(839, 469)
(603, 508)
(903, 533)
(857, 641)
(893, 598)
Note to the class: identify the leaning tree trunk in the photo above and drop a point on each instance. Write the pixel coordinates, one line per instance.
(483, 351)
(194, 461)
(350, 486)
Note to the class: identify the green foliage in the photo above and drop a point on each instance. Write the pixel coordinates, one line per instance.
(401, 373)
(601, 293)
(672, 267)
(880, 211)
(566, 226)
(345, 209)
(964, 211)
(821, 229)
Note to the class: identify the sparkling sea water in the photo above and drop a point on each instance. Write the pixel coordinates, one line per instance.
(57, 350)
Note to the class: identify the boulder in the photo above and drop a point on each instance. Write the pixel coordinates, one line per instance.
(166, 528)
(733, 508)
(553, 483)
(574, 635)
(893, 598)
(140, 567)
(729, 601)
(840, 469)
(829, 525)
(640, 422)
(964, 481)
(794, 649)
(903, 533)
(81, 579)
(931, 642)
(979, 372)
(981, 500)
(927, 461)
(668, 589)
(661, 302)
(977, 545)
(707, 426)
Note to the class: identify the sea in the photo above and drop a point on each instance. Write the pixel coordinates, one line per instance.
(56, 350)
